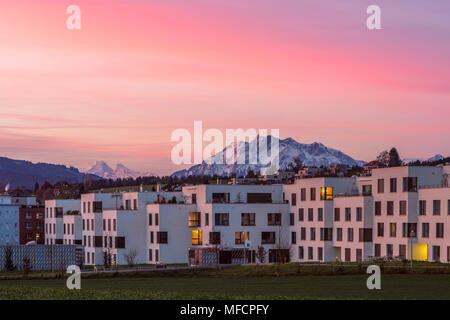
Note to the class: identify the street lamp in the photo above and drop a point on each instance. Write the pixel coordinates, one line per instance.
(412, 235)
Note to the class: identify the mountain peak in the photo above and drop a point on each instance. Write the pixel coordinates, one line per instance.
(314, 155)
(102, 169)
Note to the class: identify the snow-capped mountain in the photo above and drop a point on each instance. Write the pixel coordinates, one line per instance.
(314, 154)
(103, 170)
(436, 157)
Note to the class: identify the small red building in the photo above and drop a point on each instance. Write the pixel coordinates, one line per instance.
(31, 224)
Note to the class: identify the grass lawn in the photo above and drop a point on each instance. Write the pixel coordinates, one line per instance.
(393, 286)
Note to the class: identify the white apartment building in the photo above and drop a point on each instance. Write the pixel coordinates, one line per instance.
(392, 212)
(60, 221)
(9, 221)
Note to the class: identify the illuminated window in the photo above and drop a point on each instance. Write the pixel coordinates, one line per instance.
(241, 237)
(194, 219)
(196, 237)
(326, 193)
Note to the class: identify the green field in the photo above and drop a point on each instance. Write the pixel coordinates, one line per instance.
(393, 286)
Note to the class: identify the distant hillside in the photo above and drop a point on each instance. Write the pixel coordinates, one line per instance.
(20, 173)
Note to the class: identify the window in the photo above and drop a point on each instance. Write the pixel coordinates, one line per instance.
(439, 230)
(367, 190)
(312, 234)
(194, 219)
(161, 237)
(390, 208)
(259, 198)
(310, 253)
(436, 253)
(409, 230)
(221, 219)
(303, 233)
(350, 234)
(320, 253)
(380, 185)
(28, 215)
(206, 219)
(402, 251)
(348, 254)
(114, 225)
(310, 214)
(150, 219)
(377, 250)
(104, 225)
(339, 234)
(151, 237)
(247, 219)
(274, 219)
(156, 219)
(337, 214)
(425, 230)
(326, 193)
(196, 237)
(320, 214)
(150, 254)
(267, 237)
(214, 238)
(410, 184)
(109, 224)
(403, 207)
(220, 197)
(359, 214)
(436, 207)
(293, 237)
(120, 242)
(291, 219)
(128, 204)
(98, 241)
(389, 250)
(303, 194)
(241, 237)
(422, 207)
(392, 230)
(448, 207)
(327, 234)
(294, 199)
(301, 214)
(348, 214)
(97, 206)
(194, 198)
(365, 235)
(156, 255)
(312, 193)
(301, 253)
(378, 208)
(380, 229)
(393, 184)
(135, 207)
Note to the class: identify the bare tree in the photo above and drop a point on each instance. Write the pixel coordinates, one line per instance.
(130, 257)
(261, 254)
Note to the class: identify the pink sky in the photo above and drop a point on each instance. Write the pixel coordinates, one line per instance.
(116, 89)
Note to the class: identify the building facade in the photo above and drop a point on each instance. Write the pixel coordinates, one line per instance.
(394, 212)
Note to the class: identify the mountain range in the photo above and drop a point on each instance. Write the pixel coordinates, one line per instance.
(103, 170)
(20, 173)
(290, 151)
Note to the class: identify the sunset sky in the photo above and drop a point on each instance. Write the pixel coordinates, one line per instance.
(138, 69)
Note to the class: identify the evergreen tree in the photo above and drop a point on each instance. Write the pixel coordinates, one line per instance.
(394, 158)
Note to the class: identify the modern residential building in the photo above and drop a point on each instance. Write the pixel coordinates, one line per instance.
(395, 212)
(31, 224)
(9, 221)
